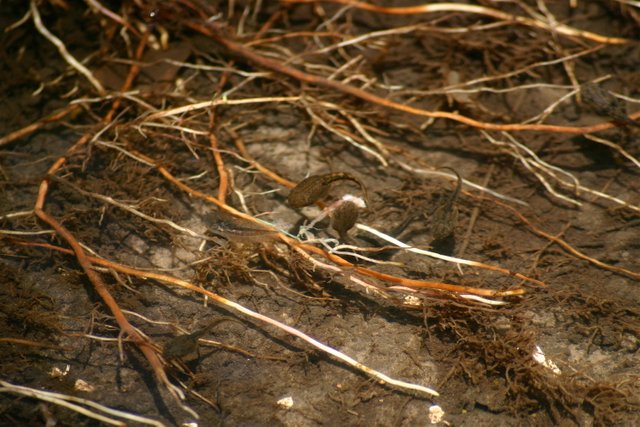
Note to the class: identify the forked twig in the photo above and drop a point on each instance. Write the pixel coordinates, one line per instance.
(340, 63)
(79, 405)
(533, 163)
(84, 260)
(216, 33)
(447, 258)
(334, 258)
(63, 50)
(568, 247)
(474, 9)
(237, 307)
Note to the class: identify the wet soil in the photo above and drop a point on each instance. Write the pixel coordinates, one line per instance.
(479, 357)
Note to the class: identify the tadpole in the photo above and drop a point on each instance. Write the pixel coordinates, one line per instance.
(445, 216)
(605, 104)
(186, 346)
(344, 218)
(316, 187)
(237, 230)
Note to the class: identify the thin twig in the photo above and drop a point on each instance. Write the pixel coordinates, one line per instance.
(63, 50)
(65, 401)
(237, 307)
(215, 33)
(568, 247)
(222, 172)
(474, 9)
(446, 257)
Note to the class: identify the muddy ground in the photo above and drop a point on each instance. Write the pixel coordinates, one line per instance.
(55, 328)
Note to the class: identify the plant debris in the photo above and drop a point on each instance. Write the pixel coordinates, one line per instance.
(146, 150)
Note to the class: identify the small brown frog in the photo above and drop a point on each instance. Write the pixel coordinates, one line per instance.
(344, 218)
(605, 104)
(445, 215)
(316, 187)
